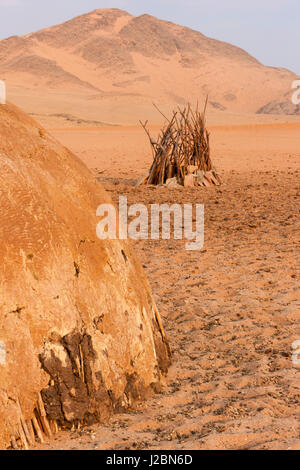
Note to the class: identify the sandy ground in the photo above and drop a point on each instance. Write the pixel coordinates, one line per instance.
(231, 311)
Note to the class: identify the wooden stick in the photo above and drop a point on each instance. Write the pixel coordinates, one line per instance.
(14, 443)
(54, 426)
(37, 429)
(43, 417)
(82, 364)
(31, 431)
(22, 436)
(27, 433)
(24, 425)
(160, 112)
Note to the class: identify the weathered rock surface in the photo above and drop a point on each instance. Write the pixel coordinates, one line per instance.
(280, 107)
(77, 320)
(113, 63)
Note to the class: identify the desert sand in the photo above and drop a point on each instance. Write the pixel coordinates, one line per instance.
(231, 311)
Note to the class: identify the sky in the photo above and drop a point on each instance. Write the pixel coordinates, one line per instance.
(267, 29)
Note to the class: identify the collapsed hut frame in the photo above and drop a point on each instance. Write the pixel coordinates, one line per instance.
(182, 149)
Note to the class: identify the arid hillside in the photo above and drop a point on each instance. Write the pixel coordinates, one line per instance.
(108, 66)
(231, 310)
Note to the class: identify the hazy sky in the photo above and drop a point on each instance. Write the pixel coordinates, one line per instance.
(268, 29)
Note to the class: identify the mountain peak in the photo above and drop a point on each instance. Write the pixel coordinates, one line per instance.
(103, 11)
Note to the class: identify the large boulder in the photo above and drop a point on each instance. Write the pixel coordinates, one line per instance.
(80, 335)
